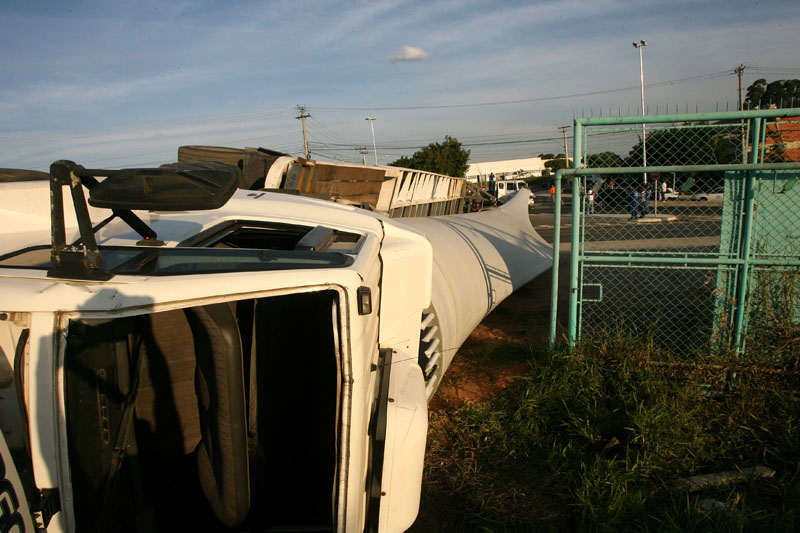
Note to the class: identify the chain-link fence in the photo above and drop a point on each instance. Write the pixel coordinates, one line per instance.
(692, 237)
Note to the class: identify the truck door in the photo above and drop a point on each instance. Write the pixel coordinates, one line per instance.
(398, 429)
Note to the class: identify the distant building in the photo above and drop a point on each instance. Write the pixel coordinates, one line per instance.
(508, 169)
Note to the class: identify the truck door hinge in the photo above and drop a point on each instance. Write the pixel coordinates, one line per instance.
(49, 504)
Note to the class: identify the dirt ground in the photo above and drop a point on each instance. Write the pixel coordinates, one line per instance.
(522, 319)
(479, 369)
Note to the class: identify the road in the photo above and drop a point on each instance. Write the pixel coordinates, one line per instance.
(689, 222)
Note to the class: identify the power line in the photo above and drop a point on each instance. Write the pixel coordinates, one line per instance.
(389, 147)
(774, 70)
(329, 132)
(525, 100)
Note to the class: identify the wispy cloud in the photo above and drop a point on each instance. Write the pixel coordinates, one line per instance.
(129, 83)
(56, 94)
(145, 145)
(410, 53)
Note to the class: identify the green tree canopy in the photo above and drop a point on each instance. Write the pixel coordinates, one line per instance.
(603, 159)
(447, 158)
(694, 144)
(691, 144)
(782, 93)
(558, 163)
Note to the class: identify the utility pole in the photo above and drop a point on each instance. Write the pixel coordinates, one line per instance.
(363, 151)
(739, 71)
(303, 116)
(641, 44)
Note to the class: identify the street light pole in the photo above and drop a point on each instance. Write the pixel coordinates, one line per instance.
(641, 44)
(372, 128)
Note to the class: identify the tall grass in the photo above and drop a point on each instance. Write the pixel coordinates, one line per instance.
(589, 440)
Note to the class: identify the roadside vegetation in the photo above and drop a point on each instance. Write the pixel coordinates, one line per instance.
(599, 440)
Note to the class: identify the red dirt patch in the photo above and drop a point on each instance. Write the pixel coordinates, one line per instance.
(481, 369)
(470, 382)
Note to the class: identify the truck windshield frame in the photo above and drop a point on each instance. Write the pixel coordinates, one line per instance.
(138, 261)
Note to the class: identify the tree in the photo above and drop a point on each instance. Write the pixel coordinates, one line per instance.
(546, 156)
(694, 144)
(558, 163)
(781, 93)
(603, 159)
(447, 158)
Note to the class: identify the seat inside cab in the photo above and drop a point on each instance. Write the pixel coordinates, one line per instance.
(222, 417)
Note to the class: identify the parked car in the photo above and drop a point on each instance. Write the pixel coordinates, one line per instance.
(714, 196)
(671, 194)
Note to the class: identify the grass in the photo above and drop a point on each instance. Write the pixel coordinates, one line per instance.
(589, 440)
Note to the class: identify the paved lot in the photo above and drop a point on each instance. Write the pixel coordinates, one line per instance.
(700, 226)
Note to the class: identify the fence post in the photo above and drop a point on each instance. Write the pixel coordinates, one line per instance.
(556, 241)
(747, 232)
(577, 140)
(573, 262)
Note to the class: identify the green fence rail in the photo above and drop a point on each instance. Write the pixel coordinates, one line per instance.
(698, 249)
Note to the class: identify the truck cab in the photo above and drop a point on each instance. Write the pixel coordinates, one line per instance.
(502, 189)
(180, 354)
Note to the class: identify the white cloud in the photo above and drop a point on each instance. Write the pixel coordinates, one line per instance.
(410, 53)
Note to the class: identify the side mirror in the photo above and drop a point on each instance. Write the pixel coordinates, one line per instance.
(175, 187)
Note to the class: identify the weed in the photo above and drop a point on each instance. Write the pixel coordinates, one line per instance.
(587, 440)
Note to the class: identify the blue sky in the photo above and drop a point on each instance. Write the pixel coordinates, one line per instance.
(120, 84)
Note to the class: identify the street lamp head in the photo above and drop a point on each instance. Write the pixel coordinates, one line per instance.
(639, 44)
(370, 118)
(643, 43)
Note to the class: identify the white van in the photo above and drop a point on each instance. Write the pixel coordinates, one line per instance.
(506, 187)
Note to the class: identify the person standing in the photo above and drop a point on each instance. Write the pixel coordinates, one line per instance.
(644, 202)
(590, 201)
(492, 184)
(633, 201)
(553, 193)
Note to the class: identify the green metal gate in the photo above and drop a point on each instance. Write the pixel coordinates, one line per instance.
(700, 248)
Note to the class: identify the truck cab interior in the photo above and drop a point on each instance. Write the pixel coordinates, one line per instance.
(221, 417)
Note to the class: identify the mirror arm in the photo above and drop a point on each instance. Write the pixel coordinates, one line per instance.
(83, 261)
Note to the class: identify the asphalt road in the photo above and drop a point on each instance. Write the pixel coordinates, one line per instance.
(688, 224)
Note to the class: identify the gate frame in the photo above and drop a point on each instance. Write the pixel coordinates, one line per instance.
(577, 255)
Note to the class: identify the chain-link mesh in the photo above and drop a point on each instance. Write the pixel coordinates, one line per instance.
(670, 255)
(672, 306)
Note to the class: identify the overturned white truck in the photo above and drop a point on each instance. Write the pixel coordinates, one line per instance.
(181, 354)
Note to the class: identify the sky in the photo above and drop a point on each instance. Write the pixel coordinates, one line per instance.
(124, 84)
